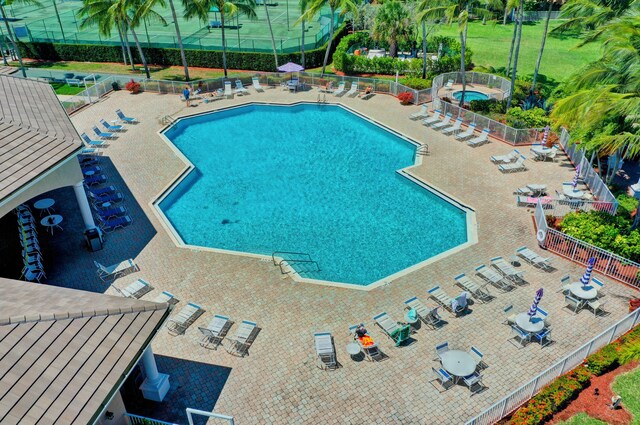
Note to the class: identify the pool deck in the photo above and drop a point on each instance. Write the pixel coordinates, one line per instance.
(491, 91)
(278, 382)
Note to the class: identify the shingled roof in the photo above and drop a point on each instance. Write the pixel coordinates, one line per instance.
(35, 132)
(64, 352)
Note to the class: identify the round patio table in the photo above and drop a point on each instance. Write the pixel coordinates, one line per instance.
(530, 324)
(353, 349)
(45, 204)
(458, 362)
(584, 292)
(52, 221)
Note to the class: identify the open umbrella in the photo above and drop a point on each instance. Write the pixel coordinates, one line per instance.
(586, 277)
(545, 135)
(574, 183)
(290, 67)
(534, 307)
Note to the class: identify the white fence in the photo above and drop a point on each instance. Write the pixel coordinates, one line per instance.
(142, 420)
(539, 15)
(518, 397)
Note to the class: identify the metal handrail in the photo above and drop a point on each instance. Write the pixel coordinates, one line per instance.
(280, 264)
(273, 255)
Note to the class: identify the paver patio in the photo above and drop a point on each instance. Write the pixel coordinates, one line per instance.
(278, 382)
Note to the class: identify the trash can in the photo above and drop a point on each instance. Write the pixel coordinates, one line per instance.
(94, 240)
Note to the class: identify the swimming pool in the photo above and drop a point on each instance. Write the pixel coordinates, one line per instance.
(307, 178)
(470, 95)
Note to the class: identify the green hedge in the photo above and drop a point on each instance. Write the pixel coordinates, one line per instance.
(168, 57)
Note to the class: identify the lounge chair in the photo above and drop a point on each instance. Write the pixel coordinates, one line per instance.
(113, 197)
(90, 152)
(530, 201)
(494, 278)
(88, 142)
(478, 291)
(340, 90)
(516, 166)
(124, 118)
(372, 351)
(507, 270)
(480, 140)
(166, 297)
(453, 129)
(240, 90)
(228, 91)
(108, 225)
(422, 113)
(89, 171)
(95, 179)
(215, 331)
(449, 85)
(109, 213)
(88, 159)
(434, 118)
(255, 81)
(325, 350)
(428, 315)
(468, 133)
(110, 127)
(367, 95)
(519, 336)
(115, 270)
(538, 189)
(534, 258)
(398, 332)
(103, 134)
(443, 299)
(136, 289)
(102, 190)
(443, 377)
(353, 91)
(442, 124)
(506, 159)
(243, 338)
(509, 315)
(179, 323)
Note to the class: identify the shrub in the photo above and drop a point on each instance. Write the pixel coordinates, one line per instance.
(416, 83)
(405, 97)
(133, 86)
(626, 205)
(603, 361)
(531, 118)
(488, 105)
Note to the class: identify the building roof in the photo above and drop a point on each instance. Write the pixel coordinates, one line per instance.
(35, 132)
(64, 352)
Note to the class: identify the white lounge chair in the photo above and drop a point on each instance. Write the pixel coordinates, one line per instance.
(494, 278)
(136, 289)
(166, 297)
(255, 81)
(243, 338)
(449, 85)
(507, 270)
(506, 159)
(442, 124)
(513, 167)
(534, 258)
(353, 91)
(480, 140)
(467, 133)
(434, 118)
(478, 291)
(444, 299)
(115, 270)
(215, 331)
(179, 323)
(422, 113)
(228, 91)
(240, 90)
(398, 332)
(325, 350)
(340, 90)
(428, 315)
(453, 129)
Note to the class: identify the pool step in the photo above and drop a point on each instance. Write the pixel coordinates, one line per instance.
(299, 263)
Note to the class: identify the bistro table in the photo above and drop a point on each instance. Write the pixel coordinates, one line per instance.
(538, 189)
(584, 292)
(530, 324)
(541, 152)
(353, 349)
(458, 363)
(45, 204)
(52, 221)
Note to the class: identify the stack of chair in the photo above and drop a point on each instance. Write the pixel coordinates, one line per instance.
(33, 269)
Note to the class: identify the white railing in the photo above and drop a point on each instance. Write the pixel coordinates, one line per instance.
(561, 207)
(521, 395)
(190, 412)
(142, 420)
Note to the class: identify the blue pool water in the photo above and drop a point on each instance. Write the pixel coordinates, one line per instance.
(308, 178)
(470, 95)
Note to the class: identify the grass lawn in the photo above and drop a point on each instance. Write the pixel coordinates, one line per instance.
(628, 387)
(491, 43)
(583, 419)
(64, 88)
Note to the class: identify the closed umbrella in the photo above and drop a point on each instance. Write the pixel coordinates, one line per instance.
(574, 183)
(534, 307)
(586, 277)
(545, 135)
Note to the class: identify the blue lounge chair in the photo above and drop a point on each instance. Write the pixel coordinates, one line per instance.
(90, 142)
(104, 135)
(112, 212)
(107, 197)
(88, 159)
(109, 225)
(110, 127)
(90, 171)
(95, 179)
(124, 118)
(103, 190)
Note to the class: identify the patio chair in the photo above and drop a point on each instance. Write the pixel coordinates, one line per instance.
(102, 134)
(243, 338)
(166, 297)
(422, 113)
(228, 91)
(111, 127)
(468, 133)
(514, 167)
(599, 285)
(136, 289)
(428, 315)
(478, 357)
(473, 381)
(572, 304)
(33, 274)
(506, 159)
(353, 91)
(240, 90)
(565, 284)
(372, 352)
(534, 258)
(519, 336)
(215, 331)
(116, 270)
(441, 349)
(108, 225)
(442, 298)
(255, 82)
(179, 323)
(507, 270)
(95, 179)
(494, 278)
(109, 213)
(325, 350)
(124, 118)
(474, 288)
(596, 306)
(453, 129)
(543, 337)
(434, 118)
(443, 377)
(112, 197)
(88, 142)
(398, 332)
(340, 90)
(480, 140)
(444, 123)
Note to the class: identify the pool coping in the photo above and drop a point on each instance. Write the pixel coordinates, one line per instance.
(154, 204)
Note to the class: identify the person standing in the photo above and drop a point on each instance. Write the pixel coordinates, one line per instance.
(187, 93)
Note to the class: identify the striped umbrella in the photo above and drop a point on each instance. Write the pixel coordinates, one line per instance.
(586, 277)
(545, 135)
(534, 307)
(574, 183)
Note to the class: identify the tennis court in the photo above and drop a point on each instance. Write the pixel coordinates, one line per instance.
(242, 34)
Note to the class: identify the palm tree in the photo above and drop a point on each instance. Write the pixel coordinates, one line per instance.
(149, 4)
(10, 34)
(544, 40)
(55, 8)
(200, 9)
(315, 6)
(589, 14)
(423, 24)
(393, 25)
(516, 53)
(273, 40)
(303, 4)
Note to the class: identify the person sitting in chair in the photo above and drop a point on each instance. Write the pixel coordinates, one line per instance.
(366, 92)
